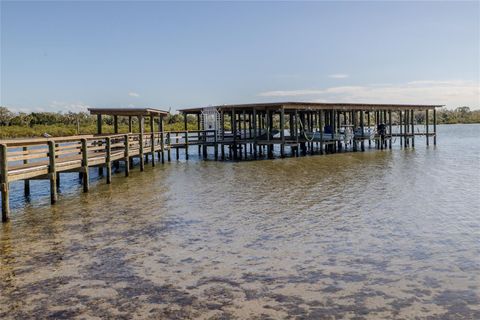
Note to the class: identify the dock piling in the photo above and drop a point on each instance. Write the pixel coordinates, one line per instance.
(85, 178)
(52, 174)
(108, 159)
(4, 183)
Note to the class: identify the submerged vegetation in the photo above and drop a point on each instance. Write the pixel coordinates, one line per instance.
(17, 125)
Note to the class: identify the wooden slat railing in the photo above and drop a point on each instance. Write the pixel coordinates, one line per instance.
(44, 158)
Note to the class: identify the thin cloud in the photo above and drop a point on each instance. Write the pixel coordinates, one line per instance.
(133, 94)
(452, 93)
(338, 76)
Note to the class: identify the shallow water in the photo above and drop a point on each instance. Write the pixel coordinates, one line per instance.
(380, 234)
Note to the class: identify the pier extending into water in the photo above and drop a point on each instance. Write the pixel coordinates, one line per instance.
(232, 132)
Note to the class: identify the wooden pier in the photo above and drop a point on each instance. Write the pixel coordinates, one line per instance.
(232, 132)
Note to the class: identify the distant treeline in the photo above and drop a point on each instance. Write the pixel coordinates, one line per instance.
(34, 124)
(20, 124)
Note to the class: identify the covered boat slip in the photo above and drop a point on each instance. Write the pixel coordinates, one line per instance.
(307, 127)
(246, 131)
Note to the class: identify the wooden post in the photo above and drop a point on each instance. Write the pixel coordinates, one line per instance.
(115, 130)
(169, 156)
(26, 182)
(269, 131)
(412, 113)
(99, 131)
(108, 159)
(99, 124)
(126, 154)
(152, 139)
(282, 131)
(384, 122)
(85, 172)
(222, 126)
(234, 132)
(4, 182)
(405, 129)
(434, 127)
(198, 134)
(140, 140)
(426, 127)
(186, 145)
(390, 128)
(297, 138)
(354, 127)
(115, 123)
(337, 130)
(250, 132)
(321, 130)
(368, 125)
(130, 124)
(52, 174)
(400, 127)
(186, 136)
(254, 125)
(362, 129)
(244, 120)
(162, 139)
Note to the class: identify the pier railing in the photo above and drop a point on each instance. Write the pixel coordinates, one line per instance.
(46, 158)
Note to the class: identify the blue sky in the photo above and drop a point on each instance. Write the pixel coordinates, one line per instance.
(69, 55)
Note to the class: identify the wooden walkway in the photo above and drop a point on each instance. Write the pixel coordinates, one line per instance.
(46, 158)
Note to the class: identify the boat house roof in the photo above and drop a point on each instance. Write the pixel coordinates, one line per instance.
(316, 106)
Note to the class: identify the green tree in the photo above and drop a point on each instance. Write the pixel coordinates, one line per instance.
(5, 116)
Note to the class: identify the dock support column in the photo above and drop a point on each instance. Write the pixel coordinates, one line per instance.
(270, 130)
(85, 177)
(368, 125)
(434, 127)
(99, 131)
(186, 135)
(400, 130)
(198, 134)
(405, 130)
(254, 125)
(140, 140)
(362, 129)
(385, 124)
(234, 132)
(4, 183)
(426, 127)
(161, 155)
(52, 174)
(320, 120)
(390, 128)
(381, 121)
(282, 132)
(152, 140)
(108, 159)
(354, 119)
(169, 154)
(26, 182)
(126, 154)
(412, 112)
(115, 130)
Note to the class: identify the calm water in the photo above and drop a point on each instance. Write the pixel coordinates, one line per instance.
(380, 234)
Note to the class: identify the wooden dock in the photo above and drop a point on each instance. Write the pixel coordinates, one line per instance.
(232, 132)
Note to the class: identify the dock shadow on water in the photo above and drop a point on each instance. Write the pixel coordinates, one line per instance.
(380, 234)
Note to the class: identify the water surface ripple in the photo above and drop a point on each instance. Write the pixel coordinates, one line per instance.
(380, 234)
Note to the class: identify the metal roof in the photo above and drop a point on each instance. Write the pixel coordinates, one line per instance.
(317, 106)
(128, 111)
